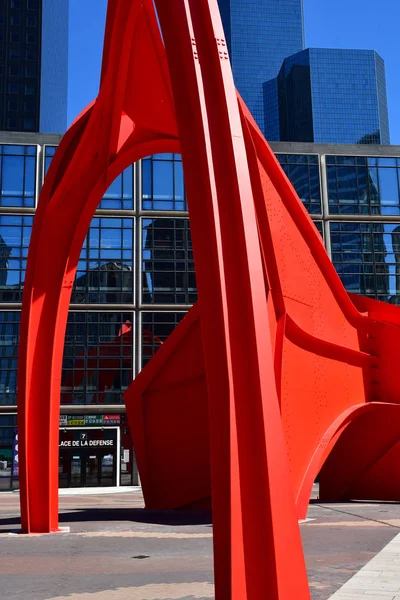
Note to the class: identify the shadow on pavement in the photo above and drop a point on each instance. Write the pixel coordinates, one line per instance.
(174, 518)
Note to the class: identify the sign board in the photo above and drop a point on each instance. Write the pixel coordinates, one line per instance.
(93, 419)
(89, 420)
(15, 470)
(85, 442)
(111, 419)
(91, 439)
(75, 421)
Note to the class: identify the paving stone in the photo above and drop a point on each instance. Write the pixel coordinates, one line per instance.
(116, 550)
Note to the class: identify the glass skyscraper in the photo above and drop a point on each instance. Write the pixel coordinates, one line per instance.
(328, 96)
(33, 65)
(260, 34)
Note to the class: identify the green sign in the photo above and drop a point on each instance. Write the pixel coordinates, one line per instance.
(93, 419)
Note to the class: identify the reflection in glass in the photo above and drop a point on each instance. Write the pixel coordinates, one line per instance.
(366, 257)
(388, 186)
(98, 355)
(15, 233)
(105, 267)
(18, 175)
(9, 340)
(119, 195)
(162, 183)
(156, 327)
(361, 185)
(8, 424)
(303, 173)
(49, 152)
(167, 259)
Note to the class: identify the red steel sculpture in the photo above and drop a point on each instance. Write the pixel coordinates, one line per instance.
(274, 374)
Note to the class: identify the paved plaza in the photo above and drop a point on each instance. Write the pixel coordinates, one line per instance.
(115, 550)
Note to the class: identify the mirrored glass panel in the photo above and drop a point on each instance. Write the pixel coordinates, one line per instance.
(167, 262)
(8, 472)
(98, 357)
(105, 268)
(156, 327)
(9, 342)
(359, 185)
(15, 234)
(303, 174)
(18, 175)
(367, 258)
(162, 183)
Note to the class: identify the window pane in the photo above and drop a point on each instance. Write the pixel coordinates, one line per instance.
(13, 176)
(98, 358)
(364, 188)
(388, 186)
(162, 183)
(119, 195)
(167, 259)
(18, 175)
(30, 175)
(9, 340)
(367, 257)
(163, 180)
(303, 173)
(105, 269)
(156, 327)
(14, 235)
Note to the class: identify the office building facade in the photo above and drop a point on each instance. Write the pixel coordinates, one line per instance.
(328, 96)
(34, 65)
(260, 35)
(136, 280)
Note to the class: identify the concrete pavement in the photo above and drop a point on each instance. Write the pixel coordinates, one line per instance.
(117, 551)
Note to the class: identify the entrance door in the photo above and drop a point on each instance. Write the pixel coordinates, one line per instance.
(99, 470)
(88, 457)
(90, 471)
(108, 469)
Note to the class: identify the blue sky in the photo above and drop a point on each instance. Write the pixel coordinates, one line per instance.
(364, 24)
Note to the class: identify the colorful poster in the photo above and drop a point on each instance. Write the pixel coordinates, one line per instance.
(111, 419)
(93, 419)
(15, 470)
(75, 421)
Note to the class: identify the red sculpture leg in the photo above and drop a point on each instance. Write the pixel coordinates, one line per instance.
(102, 142)
(253, 508)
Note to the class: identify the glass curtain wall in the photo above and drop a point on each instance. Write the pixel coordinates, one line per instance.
(136, 280)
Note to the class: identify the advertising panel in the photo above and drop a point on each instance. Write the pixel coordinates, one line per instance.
(111, 419)
(15, 470)
(75, 421)
(93, 419)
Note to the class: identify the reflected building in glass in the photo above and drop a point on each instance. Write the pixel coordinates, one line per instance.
(33, 65)
(329, 96)
(136, 280)
(396, 252)
(260, 34)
